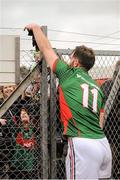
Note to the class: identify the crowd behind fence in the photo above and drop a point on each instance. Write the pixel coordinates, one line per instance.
(31, 141)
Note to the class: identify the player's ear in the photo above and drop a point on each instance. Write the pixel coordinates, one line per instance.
(76, 63)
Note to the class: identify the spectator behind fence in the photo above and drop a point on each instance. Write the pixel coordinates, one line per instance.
(5, 92)
(23, 160)
(6, 143)
(81, 101)
(111, 127)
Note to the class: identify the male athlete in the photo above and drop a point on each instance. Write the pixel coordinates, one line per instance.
(81, 106)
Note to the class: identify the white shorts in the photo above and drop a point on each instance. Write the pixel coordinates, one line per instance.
(88, 158)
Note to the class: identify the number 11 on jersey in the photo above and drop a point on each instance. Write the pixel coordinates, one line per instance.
(85, 96)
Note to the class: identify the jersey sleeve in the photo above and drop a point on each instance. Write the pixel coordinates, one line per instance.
(61, 69)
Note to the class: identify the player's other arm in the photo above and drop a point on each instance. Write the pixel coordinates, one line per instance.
(43, 44)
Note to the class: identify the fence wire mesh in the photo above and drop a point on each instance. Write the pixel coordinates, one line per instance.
(20, 137)
(31, 141)
(23, 142)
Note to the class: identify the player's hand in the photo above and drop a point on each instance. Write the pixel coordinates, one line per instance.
(3, 122)
(31, 26)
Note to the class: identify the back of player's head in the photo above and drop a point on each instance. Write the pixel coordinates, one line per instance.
(85, 55)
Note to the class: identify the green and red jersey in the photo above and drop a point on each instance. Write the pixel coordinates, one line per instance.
(81, 101)
(24, 157)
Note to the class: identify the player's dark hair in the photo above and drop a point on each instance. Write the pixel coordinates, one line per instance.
(85, 55)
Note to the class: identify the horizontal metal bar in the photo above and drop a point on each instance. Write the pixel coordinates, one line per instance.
(97, 52)
(107, 53)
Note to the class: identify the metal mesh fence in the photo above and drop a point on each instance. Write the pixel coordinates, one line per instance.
(20, 137)
(31, 142)
(23, 140)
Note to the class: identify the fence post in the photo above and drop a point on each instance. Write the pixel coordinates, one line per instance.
(44, 118)
(53, 126)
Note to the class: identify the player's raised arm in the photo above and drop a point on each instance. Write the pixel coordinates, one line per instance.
(43, 44)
